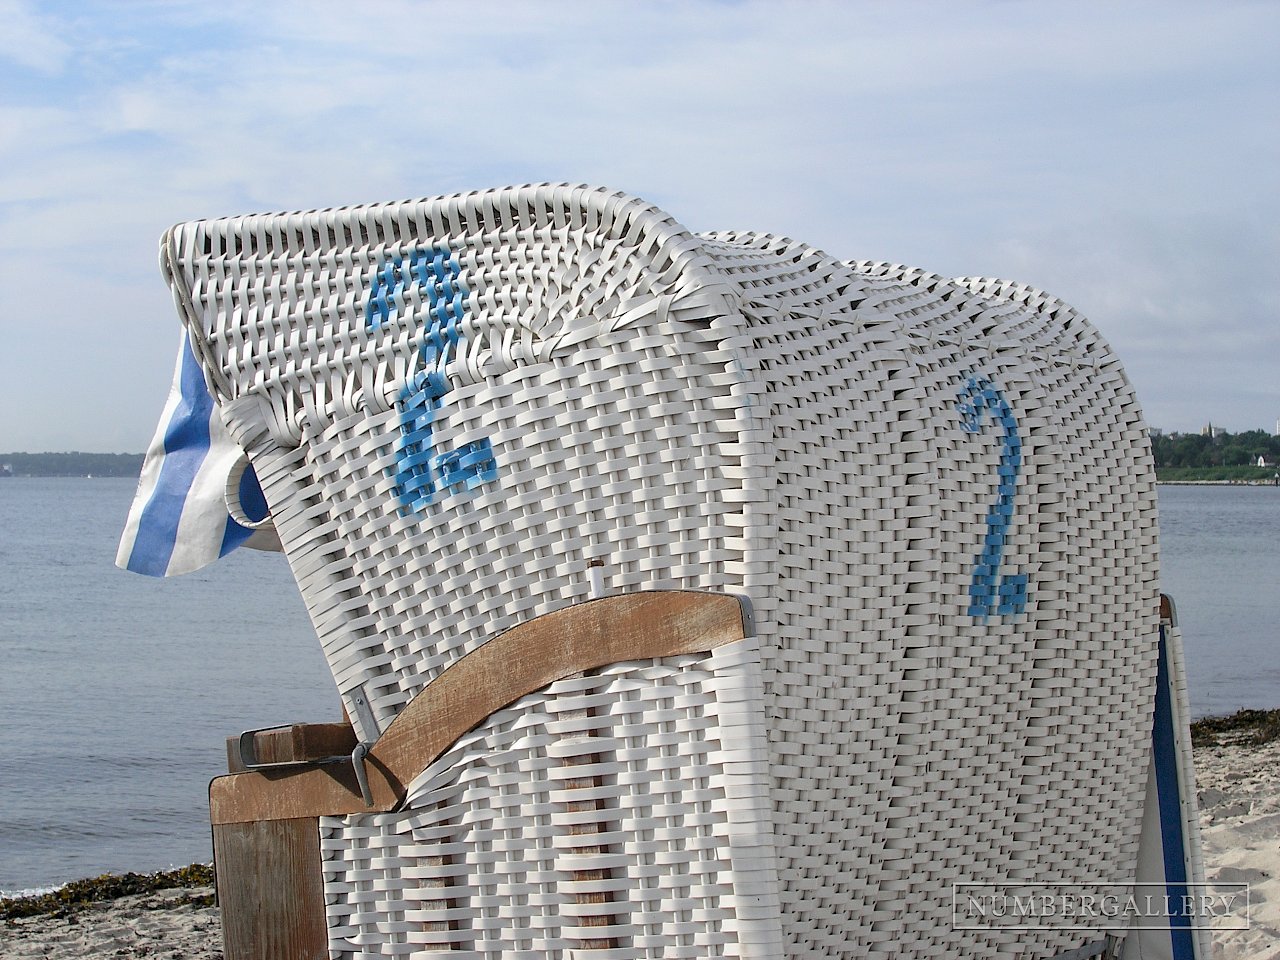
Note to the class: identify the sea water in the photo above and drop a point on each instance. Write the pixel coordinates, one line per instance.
(1220, 562)
(118, 691)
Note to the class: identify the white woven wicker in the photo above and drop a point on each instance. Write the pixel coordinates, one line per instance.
(937, 494)
(508, 838)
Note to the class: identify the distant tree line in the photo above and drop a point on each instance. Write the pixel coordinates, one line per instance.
(1172, 451)
(1221, 450)
(70, 464)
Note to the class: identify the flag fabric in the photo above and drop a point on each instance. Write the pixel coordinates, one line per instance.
(179, 520)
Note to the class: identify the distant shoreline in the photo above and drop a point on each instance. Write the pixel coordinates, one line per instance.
(18, 465)
(129, 465)
(1215, 483)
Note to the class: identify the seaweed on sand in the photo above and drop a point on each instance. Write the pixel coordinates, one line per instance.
(1244, 727)
(81, 894)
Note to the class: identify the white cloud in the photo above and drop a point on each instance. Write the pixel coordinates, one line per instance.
(30, 40)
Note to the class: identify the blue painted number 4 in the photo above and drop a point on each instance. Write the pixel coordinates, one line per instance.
(990, 593)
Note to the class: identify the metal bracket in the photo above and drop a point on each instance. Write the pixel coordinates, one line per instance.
(249, 760)
(248, 754)
(362, 775)
(748, 615)
(366, 723)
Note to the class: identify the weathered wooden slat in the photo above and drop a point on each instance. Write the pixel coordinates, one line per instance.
(271, 890)
(580, 806)
(586, 636)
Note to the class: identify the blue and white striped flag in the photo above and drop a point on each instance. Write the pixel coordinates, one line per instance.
(179, 520)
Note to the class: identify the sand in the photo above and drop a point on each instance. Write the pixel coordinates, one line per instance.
(1239, 790)
(152, 925)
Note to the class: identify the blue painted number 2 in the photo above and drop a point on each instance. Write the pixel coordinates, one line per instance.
(421, 470)
(989, 593)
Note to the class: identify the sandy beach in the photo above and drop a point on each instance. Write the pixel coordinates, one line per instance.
(159, 926)
(1239, 791)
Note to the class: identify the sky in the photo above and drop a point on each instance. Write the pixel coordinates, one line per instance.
(1123, 156)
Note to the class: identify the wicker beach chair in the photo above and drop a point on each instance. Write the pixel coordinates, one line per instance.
(689, 596)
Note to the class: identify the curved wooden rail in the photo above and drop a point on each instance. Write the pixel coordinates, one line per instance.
(586, 636)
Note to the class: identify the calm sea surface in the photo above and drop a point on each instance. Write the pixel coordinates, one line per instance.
(118, 690)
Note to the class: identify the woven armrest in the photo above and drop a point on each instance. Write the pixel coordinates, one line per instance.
(265, 822)
(583, 637)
